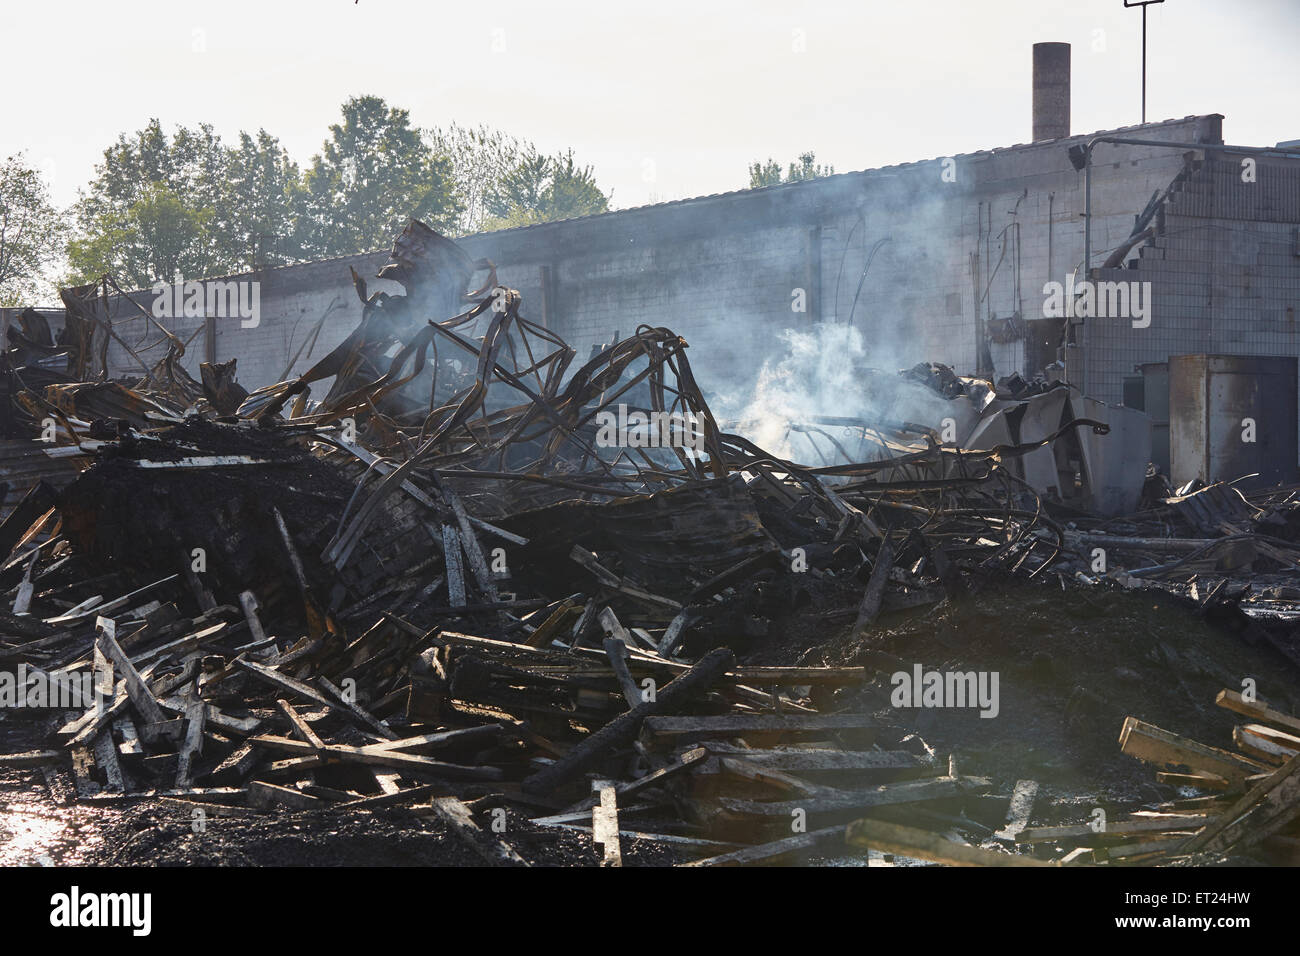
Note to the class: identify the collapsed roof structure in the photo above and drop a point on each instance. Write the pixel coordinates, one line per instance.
(471, 576)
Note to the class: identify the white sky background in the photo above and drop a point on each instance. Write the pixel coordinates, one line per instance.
(698, 88)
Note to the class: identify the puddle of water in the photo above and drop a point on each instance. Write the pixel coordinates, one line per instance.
(28, 838)
(34, 833)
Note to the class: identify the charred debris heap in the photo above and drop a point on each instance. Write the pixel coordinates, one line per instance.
(436, 589)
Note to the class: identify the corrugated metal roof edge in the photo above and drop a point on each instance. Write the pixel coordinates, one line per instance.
(733, 192)
(856, 172)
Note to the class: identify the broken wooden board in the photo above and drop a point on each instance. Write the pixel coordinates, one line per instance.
(738, 725)
(689, 760)
(301, 729)
(240, 726)
(106, 758)
(491, 848)
(617, 651)
(83, 764)
(482, 734)
(394, 798)
(776, 851)
(1232, 700)
(380, 758)
(96, 719)
(264, 795)
(1168, 751)
(378, 726)
(1153, 848)
(141, 697)
(196, 720)
(741, 768)
(818, 759)
(1265, 743)
(238, 765)
(604, 826)
(924, 845)
(1123, 829)
(875, 590)
(32, 758)
(1204, 781)
(622, 730)
(1020, 810)
(1267, 808)
(130, 745)
(834, 801)
(284, 682)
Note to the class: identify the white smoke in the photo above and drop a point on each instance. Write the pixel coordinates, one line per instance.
(821, 373)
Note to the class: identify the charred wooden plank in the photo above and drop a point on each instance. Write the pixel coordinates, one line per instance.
(623, 729)
(458, 820)
(136, 687)
(1232, 700)
(923, 845)
(1166, 750)
(775, 851)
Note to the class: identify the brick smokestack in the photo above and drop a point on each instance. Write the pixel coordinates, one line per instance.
(1051, 91)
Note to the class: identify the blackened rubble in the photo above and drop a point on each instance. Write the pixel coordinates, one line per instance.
(441, 596)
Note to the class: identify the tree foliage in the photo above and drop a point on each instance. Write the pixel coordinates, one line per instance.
(480, 159)
(157, 237)
(31, 233)
(186, 205)
(167, 208)
(541, 188)
(372, 174)
(769, 173)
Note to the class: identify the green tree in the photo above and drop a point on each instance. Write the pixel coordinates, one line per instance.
(764, 174)
(158, 237)
(186, 206)
(266, 199)
(572, 190)
(31, 233)
(769, 173)
(543, 189)
(481, 158)
(373, 173)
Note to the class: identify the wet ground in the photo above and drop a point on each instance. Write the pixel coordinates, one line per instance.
(166, 832)
(1072, 664)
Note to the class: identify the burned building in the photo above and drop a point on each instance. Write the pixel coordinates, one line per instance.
(965, 260)
(420, 566)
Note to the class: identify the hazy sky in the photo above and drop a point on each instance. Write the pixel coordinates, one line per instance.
(665, 99)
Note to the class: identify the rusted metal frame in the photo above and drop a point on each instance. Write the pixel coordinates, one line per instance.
(500, 371)
(107, 324)
(389, 382)
(972, 512)
(342, 360)
(997, 452)
(539, 479)
(530, 413)
(340, 547)
(541, 385)
(685, 377)
(693, 401)
(433, 378)
(170, 336)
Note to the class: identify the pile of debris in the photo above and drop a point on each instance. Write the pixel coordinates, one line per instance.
(1253, 807)
(444, 587)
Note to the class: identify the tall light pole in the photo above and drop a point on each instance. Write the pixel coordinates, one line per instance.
(1143, 4)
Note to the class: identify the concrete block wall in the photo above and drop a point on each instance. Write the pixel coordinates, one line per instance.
(984, 246)
(721, 270)
(1224, 274)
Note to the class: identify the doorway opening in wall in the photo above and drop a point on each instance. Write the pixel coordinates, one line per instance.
(1043, 338)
